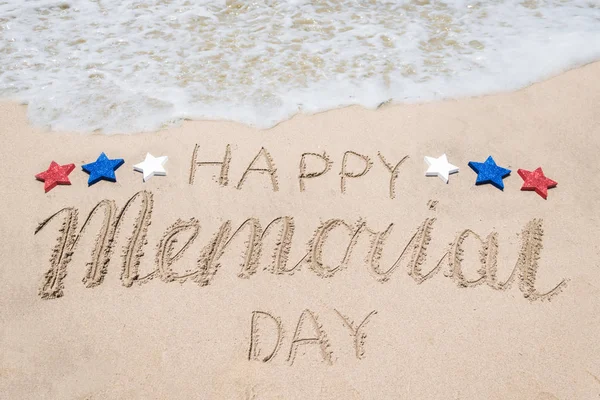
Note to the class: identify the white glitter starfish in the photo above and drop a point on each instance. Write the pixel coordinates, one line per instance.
(440, 167)
(152, 166)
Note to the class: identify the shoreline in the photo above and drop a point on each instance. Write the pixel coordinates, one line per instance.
(384, 104)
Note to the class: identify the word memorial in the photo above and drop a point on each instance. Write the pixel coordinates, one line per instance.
(412, 254)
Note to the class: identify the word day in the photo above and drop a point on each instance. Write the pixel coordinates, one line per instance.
(267, 335)
(178, 239)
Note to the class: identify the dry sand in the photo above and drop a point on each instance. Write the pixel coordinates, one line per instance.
(147, 320)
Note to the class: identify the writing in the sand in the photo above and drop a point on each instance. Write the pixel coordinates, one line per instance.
(312, 165)
(267, 336)
(179, 238)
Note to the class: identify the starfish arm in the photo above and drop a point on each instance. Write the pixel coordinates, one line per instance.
(481, 180)
(110, 175)
(526, 186)
(160, 170)
(490, 161)
(523, 174)
(49, 185)
(63, 176)
(429, 160)
(475, 166)
(431, 171)
(542, 191)
(116, 163)
(63, 180)
(453, 169)
(498, 182)
(87, 167)
(94, 177)
(70, 168)
(41, 176)
(444, 175)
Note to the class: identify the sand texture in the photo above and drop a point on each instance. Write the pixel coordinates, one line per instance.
(313, 260)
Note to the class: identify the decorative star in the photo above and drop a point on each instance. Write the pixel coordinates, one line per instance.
(489, 172)
(102, 168)
(55, 175)
(537, 181)
(152, 166)
(440, 167)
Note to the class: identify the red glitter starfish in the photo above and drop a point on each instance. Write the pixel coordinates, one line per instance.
(537, 181)
(55, 175)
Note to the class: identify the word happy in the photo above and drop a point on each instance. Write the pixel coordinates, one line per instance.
(263, 163)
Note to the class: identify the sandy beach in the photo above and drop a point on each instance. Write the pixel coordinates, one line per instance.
(313, 260)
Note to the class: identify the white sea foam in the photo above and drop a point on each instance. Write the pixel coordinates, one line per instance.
(126, 66)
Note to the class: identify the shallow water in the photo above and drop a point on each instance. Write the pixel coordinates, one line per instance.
(127, 66)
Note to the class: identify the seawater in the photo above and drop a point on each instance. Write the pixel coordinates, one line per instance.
(128, 66)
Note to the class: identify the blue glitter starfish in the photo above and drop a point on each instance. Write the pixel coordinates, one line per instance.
(489, 172)
(102, 168)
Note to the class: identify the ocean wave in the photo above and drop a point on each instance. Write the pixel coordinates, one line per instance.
(130, 66)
